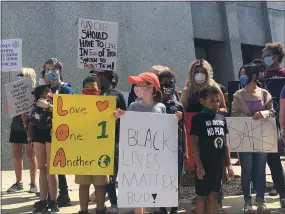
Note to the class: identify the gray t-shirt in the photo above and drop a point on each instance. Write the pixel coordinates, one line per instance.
(156, 107)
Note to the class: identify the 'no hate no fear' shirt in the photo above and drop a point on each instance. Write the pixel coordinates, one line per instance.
(211, 131)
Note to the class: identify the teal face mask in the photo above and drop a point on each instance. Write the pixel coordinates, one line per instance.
(211, 111)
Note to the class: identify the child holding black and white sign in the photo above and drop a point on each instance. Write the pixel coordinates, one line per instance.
(210, 150)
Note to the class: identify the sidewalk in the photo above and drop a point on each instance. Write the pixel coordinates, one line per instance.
(22, 202)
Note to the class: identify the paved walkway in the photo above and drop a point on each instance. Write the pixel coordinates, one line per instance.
(22, 202)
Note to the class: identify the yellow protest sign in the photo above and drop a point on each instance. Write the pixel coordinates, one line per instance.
(83, 138)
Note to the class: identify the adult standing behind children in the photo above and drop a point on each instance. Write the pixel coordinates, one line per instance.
(200, 74)
(53, 75)
(18, 140)
(252, 101)
(282, 115)
(273, 55)
(108, 79)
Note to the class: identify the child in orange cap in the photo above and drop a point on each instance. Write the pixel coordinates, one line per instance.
(147, 90)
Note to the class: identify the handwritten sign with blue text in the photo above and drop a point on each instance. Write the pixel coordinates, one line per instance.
(148, 160)
(11, 55)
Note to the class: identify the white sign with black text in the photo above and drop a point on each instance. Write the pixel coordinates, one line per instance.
(148, 160)
(19, 96)
(248, 135)
(11, 55)
(97, 44)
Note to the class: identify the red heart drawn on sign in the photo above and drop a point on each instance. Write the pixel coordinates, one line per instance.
(102, 105)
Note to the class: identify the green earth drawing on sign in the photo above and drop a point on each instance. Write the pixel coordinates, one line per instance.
(104, 161)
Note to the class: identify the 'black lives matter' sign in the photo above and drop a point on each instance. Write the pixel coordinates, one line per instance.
(97, 44)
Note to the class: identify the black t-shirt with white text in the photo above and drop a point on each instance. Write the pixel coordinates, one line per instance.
(211, 131)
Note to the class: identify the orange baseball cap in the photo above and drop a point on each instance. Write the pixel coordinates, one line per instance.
(145, 77)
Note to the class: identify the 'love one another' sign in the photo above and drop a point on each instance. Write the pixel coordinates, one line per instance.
(83, 138)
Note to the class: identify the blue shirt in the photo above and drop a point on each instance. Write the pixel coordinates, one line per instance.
(62, 90)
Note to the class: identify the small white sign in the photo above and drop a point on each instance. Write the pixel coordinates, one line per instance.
(148, 160)
(97, 44)
(19, 96)
(11, 55)
(248, 135)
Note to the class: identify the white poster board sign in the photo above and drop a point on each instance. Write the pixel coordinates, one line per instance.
(11, 55)
(97, 44)
(148, 160)
(248, 135)
(19, 96)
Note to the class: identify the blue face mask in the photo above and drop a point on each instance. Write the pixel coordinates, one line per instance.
(20, 78)
(51, 75)
(268, 60)
(243, 80)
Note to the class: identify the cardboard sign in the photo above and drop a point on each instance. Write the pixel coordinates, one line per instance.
(19, 96)
(97, 44)
(11, 55)
(188, 123)
(83, 137)
(148, 160)
(248, 135)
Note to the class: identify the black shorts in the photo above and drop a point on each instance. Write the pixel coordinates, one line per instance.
(18, 137)
(211, 183)
(41, 136)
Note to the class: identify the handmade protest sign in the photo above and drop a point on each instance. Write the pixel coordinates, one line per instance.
(188, 123)
(248, 135)
(97, 44)
(148, 160)
(19, 96)
(83, 135)
(11, 55)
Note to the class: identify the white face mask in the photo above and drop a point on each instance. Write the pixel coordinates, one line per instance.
(42, 81)
(200, 78)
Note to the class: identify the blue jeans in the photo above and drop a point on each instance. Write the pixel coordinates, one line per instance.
(248, 161)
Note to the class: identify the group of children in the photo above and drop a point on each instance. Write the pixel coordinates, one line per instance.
(155, 93)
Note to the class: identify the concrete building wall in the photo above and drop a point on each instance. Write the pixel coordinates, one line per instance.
(149, 33)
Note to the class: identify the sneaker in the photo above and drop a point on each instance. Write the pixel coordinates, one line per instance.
(42, 207)
(83, 212)
(33, 188)
(282, 203)
(63, 201)
(261, 207)
(16, 187)
(161, 210)
(53, 207)
(113, 210)
(248, 207)
(273, 192)
(174, 210)
(102, 211)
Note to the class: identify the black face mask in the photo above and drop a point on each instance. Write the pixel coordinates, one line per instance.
(168, 89)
